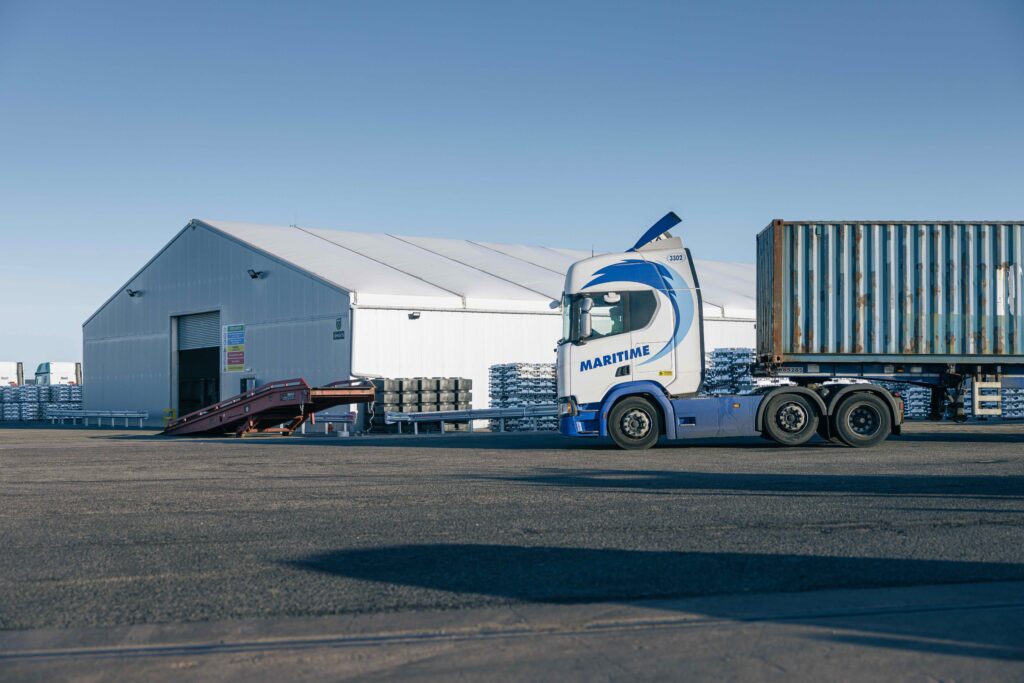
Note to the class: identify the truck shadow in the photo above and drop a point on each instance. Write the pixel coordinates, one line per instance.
(552, 440)
(573, 575)
(1009, 487)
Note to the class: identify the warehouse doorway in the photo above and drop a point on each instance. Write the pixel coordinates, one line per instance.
(198, 357)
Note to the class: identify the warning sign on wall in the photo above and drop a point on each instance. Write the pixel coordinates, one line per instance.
(234, 348)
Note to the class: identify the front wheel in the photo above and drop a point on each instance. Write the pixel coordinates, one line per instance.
(634, 424)
(862, 420)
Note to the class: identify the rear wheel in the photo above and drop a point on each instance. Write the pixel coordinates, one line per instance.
(634, 424)
(790, 419)
(862, 420)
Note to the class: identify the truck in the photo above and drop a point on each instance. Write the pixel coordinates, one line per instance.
(12, 374)
(59, 372)
(845, 310)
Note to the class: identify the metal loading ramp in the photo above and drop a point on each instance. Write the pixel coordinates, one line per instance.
(275, 408)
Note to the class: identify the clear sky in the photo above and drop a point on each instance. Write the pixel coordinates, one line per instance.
(560, 123)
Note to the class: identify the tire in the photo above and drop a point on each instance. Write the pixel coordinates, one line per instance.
(634, 424)
(862, 420)
(790, 419)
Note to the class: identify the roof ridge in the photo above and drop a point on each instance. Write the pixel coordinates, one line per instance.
(468, 265)
(518, 258)
(386, 265)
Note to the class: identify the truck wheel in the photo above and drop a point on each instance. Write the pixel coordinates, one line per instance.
(790, 419)
(634, 424)
(863, 420)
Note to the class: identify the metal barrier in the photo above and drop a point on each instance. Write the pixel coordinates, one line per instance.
(442, 416)
(99, 415)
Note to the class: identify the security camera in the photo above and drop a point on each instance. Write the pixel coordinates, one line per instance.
(415, 315)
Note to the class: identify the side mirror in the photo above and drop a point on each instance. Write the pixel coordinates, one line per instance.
(586, 303)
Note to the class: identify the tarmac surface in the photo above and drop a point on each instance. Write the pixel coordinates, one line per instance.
(130, 556)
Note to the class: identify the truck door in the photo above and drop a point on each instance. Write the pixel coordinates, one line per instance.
(651, 326)
(601, 360)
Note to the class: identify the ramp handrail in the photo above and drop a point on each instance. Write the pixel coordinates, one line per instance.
(442, 416)
(84, 415)
(542, 410)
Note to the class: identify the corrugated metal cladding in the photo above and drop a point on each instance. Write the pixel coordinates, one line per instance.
(928, 288)
(199, 331)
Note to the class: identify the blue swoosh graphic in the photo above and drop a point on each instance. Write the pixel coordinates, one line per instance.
(656, 276)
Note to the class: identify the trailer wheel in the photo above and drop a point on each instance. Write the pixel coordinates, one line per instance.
(634, 424)
(862, 420)
(790, 419)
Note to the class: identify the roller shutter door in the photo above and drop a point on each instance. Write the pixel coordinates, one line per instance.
(199, 331)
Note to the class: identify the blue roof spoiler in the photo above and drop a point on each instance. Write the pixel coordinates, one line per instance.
(667, 222)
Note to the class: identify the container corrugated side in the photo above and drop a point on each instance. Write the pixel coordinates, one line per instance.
(944, 290)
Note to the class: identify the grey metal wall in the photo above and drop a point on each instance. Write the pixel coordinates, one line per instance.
(290, 321)
(945, 290)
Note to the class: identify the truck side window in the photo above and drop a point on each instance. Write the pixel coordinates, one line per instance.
(607, 319)
(633, 311)
(642, 306)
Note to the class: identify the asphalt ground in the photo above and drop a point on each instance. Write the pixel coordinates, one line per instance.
(130, 556)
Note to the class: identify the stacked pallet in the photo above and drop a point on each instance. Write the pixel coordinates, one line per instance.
(38, 402)
(1013, 402)
(515, 385)
(727, 373)
(419, 395)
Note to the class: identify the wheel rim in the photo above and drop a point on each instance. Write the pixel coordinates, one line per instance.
(791, 418)
(635, 423)
(864, 420)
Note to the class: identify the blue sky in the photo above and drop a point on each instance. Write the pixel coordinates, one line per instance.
(567, 124)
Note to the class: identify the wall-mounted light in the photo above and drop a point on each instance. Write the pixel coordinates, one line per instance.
(415, 315)
(255, 274)
(133, 292)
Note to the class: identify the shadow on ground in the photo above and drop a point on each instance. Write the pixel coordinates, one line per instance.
(973, 486)
(915, 433)
(566, 575)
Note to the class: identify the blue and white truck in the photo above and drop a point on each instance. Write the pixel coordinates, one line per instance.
(935, 304)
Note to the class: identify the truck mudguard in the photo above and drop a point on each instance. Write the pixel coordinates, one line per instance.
(641, 388)
(894, 409)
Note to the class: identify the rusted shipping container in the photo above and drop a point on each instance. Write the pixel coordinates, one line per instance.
(929, 291)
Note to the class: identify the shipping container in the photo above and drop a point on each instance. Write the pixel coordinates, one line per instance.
(881, 291)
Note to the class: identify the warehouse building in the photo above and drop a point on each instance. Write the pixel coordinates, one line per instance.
(227, 306)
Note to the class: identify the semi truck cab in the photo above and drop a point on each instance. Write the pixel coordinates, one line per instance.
(631, 361)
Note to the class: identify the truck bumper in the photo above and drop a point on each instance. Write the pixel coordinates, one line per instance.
(585, 423)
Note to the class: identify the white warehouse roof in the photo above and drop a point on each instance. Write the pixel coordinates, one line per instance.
(381, 269)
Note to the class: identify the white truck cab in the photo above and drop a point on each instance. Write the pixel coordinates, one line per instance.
(631, 326)
(631, 317)
(56, 372)
(12, 374)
